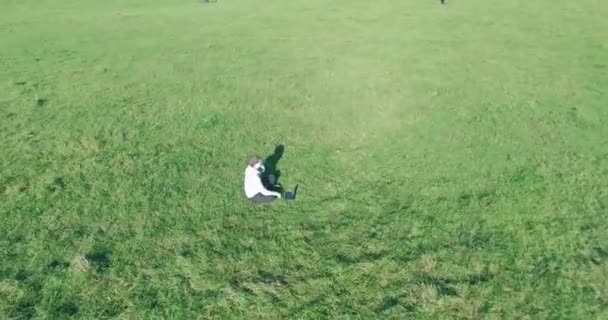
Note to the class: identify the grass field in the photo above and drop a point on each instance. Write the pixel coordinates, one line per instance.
(452, 160)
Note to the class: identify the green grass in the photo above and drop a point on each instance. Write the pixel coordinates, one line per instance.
(452, 160)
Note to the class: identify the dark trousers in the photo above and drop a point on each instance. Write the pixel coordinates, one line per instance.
(260, 198)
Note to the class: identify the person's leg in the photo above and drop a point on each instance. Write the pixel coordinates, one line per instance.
(270, 182)
(259, 198)
(272, 179)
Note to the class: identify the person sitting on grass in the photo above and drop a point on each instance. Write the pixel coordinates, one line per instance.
(255, 189)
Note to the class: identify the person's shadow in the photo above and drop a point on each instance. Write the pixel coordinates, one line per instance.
(272, 172)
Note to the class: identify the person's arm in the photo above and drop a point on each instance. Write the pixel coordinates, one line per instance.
(266, 192)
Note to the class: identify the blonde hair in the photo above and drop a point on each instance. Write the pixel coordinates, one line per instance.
(254, 159)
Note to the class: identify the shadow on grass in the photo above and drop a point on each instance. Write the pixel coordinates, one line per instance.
(272, 174)
(99, 258)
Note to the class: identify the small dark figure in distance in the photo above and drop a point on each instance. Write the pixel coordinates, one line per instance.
(255, 190)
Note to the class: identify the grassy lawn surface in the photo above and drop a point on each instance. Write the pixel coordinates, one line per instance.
(452, 159)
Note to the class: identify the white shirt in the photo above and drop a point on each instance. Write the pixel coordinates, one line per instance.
(253, 184)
